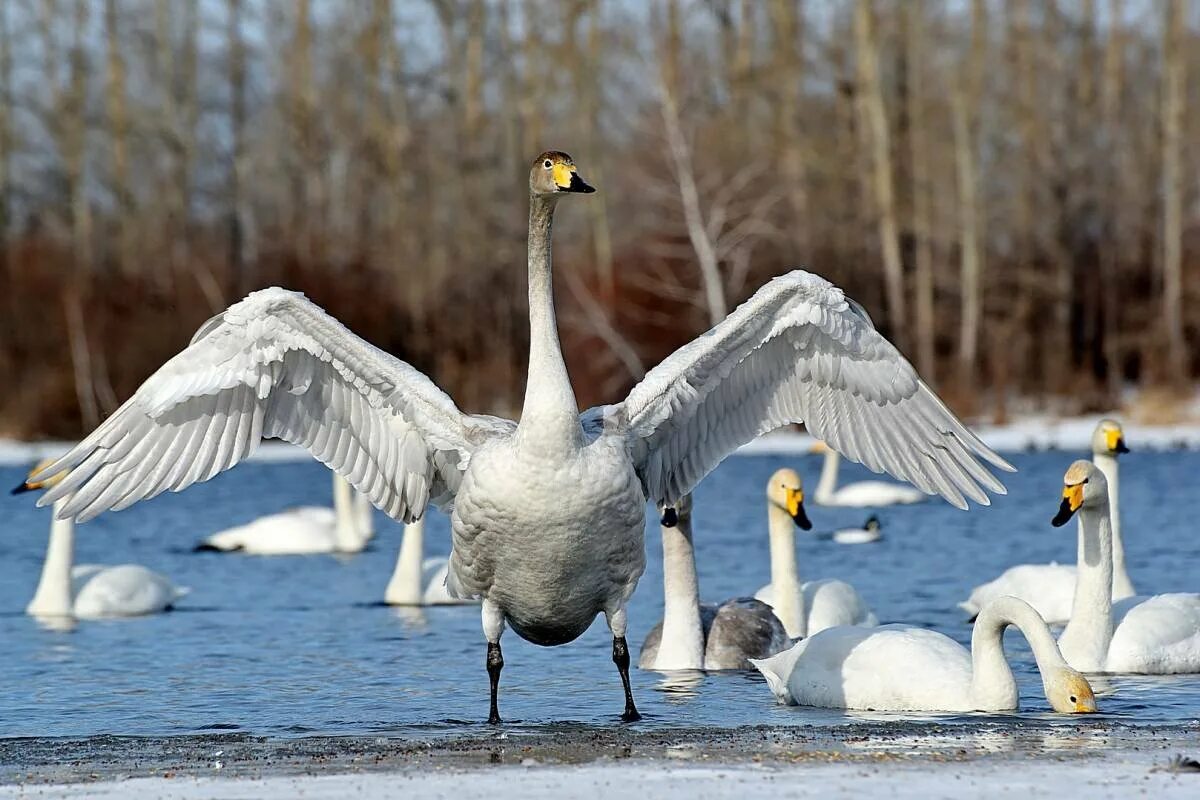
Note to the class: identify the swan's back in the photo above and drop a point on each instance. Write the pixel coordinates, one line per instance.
(127, 590)
(894, 667)
(868, 494)
(1156, 635)
(308, 529)
(1049, 588)
(741, 629)
(831, 602)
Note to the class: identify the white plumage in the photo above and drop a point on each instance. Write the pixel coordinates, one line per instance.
(906, 668)
(1143, 635)
(547, 516)
(1050, 588)
(861, 494)
(416, 580)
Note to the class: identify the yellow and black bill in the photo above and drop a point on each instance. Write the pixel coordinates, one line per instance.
(566, 179)
(1072, 499)
(795, 507)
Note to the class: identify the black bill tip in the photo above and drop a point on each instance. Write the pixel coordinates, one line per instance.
(21, 488)
(670, 517)
(579, 185)
(1121, 448)
(801, 519)
(1064, 514)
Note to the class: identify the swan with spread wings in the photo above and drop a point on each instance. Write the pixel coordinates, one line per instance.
(548, 513)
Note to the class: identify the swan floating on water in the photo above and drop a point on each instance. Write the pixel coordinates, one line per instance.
(548, 515)
(710, 636)
(92, 591)
(1155, 635)
(814, 606)
(1050, 588)
(308, 530)
(906, 668)
(871, 531)
(861, 494)
(416, 580)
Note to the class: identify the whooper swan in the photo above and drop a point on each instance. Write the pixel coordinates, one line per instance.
(548, 514)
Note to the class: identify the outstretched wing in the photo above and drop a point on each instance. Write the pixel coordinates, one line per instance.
(798, 351)
(275, 365)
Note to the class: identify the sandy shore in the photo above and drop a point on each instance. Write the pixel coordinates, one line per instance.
(900, 760)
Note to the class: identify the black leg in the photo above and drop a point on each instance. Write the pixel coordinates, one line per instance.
(621, 659)
(495, 663)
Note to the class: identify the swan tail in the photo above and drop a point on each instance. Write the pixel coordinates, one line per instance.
(971, 609)
(209, 547)
(777, 668)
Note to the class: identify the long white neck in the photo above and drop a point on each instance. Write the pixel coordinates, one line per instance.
(682, 645)
(346, 521)
(53, 597)
(550, 416)
(1122, 585)
(1086, 638)
(404, 588)
(787, 598)
(827, 485)
(992, 684)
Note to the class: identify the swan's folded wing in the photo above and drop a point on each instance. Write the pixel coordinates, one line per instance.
(798, 351)
(275, 365)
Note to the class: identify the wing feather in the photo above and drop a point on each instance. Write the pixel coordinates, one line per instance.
(798, 351)
(275, 365)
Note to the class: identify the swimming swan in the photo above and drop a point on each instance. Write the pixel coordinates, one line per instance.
(307, 530)
(92, 591)
(815, 605)
(871, 531)
(548, 515)
(905, 668)
(861, 494)
(1050, 588)
(709, 636)
(1144, 635)
(418, 581)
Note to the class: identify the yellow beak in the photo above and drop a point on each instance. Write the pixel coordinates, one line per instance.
(1074, 496)
(1111, 438)
(795, 499)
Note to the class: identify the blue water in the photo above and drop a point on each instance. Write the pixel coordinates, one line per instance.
(299, 645)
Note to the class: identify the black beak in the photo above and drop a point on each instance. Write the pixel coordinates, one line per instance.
(579, 185)
(801, 519)
(670, 518)
(22, 487)
(1121, 448)
(1063, 515)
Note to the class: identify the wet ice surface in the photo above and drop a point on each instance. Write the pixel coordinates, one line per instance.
(291, 647)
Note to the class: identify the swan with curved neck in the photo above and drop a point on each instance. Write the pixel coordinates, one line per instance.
(307, 530)
(1144, 635)
(861, 494)
(903, 668)
(416, 580)
(1050, 588)
(548, 514)
(804, 608)
(710, 636)
(92, 591)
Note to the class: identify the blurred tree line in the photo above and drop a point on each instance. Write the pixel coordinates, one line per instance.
(1011, 188)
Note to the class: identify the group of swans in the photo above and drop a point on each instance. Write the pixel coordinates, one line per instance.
(547, 514)
(727, 636)
(1050, 588)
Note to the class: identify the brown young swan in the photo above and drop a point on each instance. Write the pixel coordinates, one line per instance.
(548, 514)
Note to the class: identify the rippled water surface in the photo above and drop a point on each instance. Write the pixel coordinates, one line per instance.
(297, 645)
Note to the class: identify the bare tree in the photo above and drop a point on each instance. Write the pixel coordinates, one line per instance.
(965, 96)
(118, 132)
(1173, 93)
(914, 47)
(875, 121)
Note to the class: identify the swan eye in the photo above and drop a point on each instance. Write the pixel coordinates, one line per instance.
(547, 163)
(1072, 699)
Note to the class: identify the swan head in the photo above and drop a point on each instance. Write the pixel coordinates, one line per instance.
(554, 173)
(28, 485)
(1108, 439)
(785, 490)
(1084, 485)
(670, 516)
(1068, 691)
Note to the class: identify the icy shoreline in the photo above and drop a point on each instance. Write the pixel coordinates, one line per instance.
(1034, 433)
